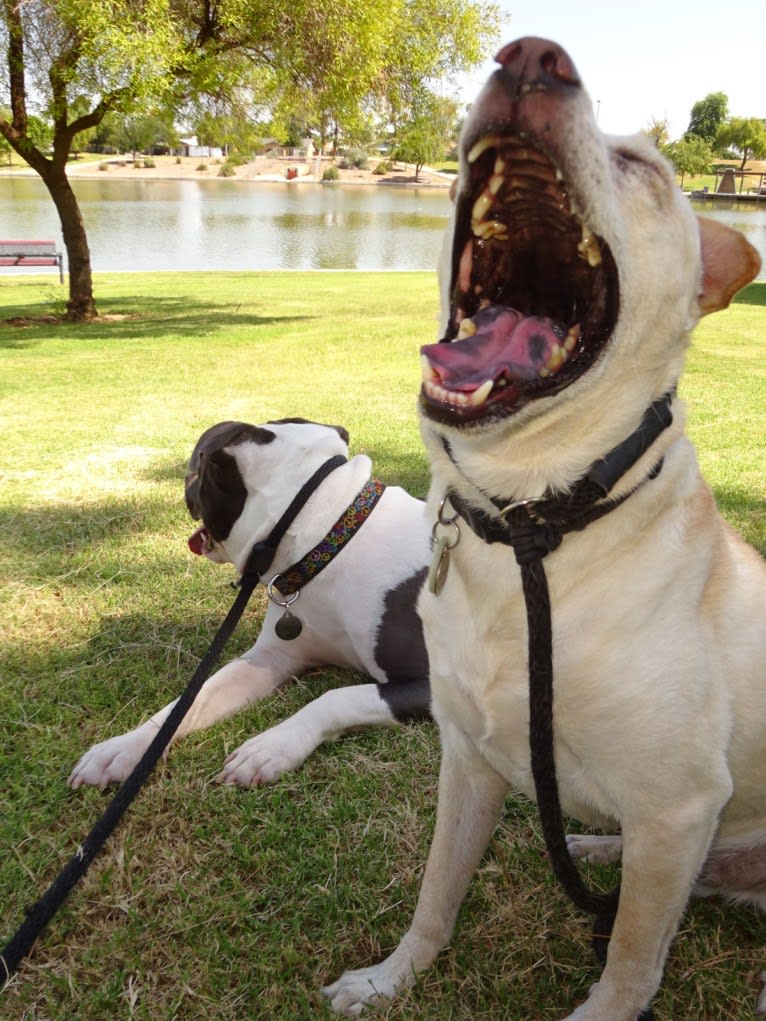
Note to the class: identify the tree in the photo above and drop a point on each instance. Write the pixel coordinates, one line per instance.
(745, 134)
(707, 116)
(87, 58)
(690, 155)
(658, 132)
(423, 138)
(79, 55)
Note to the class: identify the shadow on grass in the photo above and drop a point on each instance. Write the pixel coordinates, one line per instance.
(135, 317)
(53, 532)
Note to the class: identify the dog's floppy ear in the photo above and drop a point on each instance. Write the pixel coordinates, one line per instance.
(729, 262)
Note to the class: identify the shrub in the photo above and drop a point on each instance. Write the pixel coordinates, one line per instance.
(355, 159)
(384, 167)
(201, 167)
(149, 164)
(331, 174)
(103, 166)
(227, 170)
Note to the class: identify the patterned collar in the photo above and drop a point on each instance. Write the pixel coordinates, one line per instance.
(344, 529)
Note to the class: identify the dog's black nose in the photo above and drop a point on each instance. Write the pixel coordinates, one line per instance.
(538, 62)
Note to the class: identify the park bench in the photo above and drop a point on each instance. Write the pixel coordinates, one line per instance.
(31, 253)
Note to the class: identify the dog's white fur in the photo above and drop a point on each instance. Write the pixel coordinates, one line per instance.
(658, 611)
(340, 610)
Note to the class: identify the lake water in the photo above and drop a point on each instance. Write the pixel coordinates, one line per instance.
(188, 225)
(241, 225)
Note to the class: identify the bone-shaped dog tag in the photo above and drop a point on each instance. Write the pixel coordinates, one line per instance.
(288, 627)
(437, 572)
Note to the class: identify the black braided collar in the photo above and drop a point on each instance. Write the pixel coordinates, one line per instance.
(536, 527)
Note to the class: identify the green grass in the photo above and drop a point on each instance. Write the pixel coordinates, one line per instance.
(224, 904)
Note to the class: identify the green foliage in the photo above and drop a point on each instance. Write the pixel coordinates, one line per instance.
(355, 159)
(690, 155)
(707, 116)
(745, 134)
(331, 173)
(422, 138)
(384, 167)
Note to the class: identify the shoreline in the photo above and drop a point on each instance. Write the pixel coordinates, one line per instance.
(265, 169)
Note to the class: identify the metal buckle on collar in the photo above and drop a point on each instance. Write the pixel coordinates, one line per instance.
(528, 505)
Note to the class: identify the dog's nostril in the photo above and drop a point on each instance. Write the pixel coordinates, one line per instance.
(538, 59)
(509, 54)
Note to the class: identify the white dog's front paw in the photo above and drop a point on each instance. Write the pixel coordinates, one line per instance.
(112, 760)
(367, 987)
(594, 849)
(268, 756)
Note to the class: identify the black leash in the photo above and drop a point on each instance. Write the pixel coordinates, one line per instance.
(259, 561)
(534, 528)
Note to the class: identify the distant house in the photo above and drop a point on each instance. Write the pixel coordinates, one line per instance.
(190, 147)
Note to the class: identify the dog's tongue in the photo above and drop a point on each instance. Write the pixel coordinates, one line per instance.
(505, 344)
(198, 541)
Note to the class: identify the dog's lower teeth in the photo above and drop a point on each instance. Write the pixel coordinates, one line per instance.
(467, 329)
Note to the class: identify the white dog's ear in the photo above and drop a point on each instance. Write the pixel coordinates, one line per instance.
(728, 263)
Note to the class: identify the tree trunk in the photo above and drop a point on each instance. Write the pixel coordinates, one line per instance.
(81, 305)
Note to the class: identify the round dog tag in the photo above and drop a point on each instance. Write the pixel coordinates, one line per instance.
(288, 627)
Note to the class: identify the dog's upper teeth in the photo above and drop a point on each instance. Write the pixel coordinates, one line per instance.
(589, 248)
(479, 396)
(481, 146)
(427, 370)
(481, 207)
(486, 229)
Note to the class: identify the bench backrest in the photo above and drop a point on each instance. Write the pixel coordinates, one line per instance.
(29, 248)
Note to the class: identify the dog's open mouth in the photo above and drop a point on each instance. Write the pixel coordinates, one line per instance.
(534, 293)
(200, 542)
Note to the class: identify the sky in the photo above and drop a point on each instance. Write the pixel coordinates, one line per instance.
(650, 60)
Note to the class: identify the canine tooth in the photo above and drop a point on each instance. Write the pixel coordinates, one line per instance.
(499, 166)
(467, 329)
(543, 373)
(481, 146)
(555, 359)
(427, 369)
(481, 207)
(571, 339)
(479, 396)
(495, 183)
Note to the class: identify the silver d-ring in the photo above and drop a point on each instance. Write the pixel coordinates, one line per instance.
(446, 522)
(530, 503)
(285, 600)
(441, 519)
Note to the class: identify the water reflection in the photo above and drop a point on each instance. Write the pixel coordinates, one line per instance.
(143, 224)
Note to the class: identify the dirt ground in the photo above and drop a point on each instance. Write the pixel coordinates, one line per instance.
(262, 168)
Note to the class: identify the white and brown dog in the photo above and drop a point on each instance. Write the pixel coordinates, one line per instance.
(575, 274)
(358, 610)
